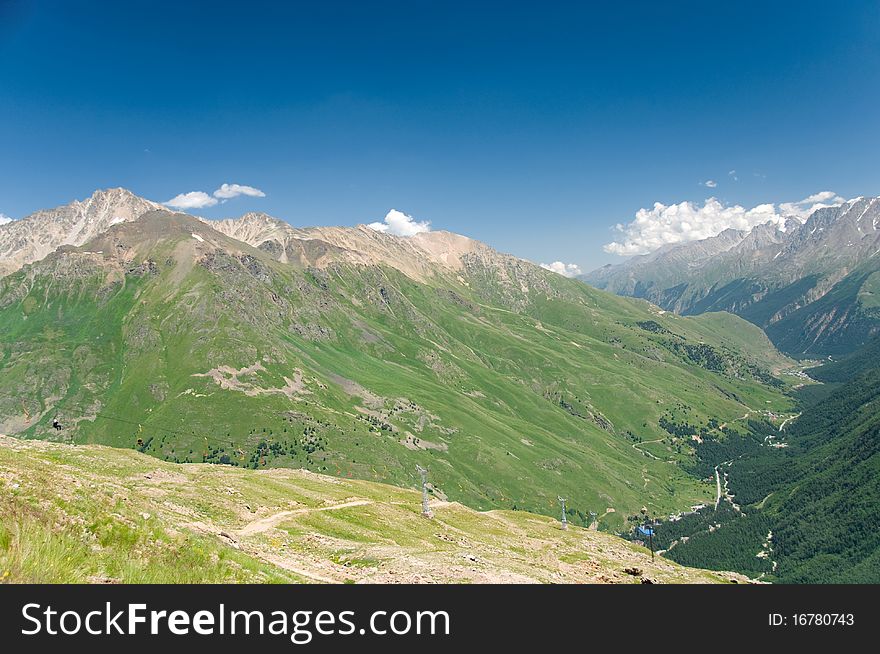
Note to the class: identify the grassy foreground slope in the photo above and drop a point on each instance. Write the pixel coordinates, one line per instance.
(512, 384)
(98, 514)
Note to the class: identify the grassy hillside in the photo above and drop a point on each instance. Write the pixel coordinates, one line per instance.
(512, 384)
(98, 514)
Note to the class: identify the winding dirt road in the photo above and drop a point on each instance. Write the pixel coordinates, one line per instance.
(267, 523)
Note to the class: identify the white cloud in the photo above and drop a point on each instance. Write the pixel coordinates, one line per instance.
(732, 173)
(803, 208)
(227, 191)
(4, 219)
(200, 199)
(399, 224)
(687, 221)
(711, 183)
(191, 200)
(564, 269)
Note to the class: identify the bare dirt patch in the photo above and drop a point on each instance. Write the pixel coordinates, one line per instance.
(412, 442)
(245, 380)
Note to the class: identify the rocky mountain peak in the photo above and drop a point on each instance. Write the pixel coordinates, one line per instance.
(421, 256)
(37, 235)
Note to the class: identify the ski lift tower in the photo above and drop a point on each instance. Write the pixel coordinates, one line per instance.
(426, 510)
(564, 519)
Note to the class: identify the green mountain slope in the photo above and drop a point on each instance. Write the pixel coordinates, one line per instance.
(850, 366)
(512, 384)
(102, 515)
(842, 320)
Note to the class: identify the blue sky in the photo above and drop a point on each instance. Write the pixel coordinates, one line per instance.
(534, 128)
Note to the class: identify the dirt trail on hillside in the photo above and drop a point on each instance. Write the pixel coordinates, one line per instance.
(288, 565)
(267, 523)
(636, 447)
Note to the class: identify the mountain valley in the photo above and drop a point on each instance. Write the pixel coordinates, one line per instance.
(357, 355)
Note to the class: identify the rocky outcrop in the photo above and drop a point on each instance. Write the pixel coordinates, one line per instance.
(41, 233)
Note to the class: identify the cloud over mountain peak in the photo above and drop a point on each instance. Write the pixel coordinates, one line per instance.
(400, 224)
(564, 269)
(201, 200)
(687, 221)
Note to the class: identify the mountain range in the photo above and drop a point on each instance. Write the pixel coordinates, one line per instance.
(359, 354)
(813, 286)
(353, 355)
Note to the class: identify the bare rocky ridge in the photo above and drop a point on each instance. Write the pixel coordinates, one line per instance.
(37, 235)
(426, 257)
(833, 238)
(419, 256)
